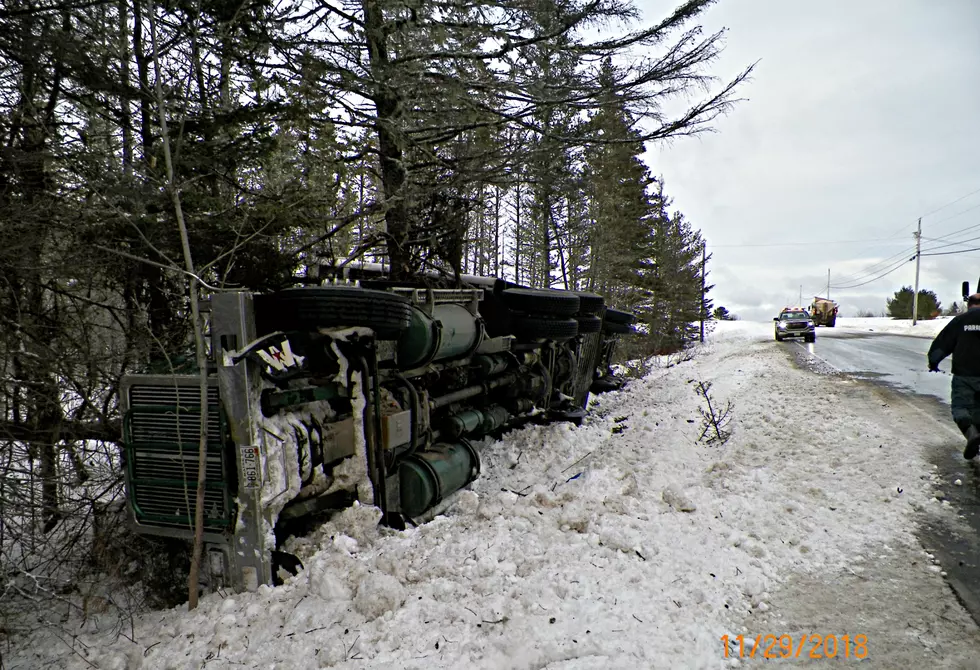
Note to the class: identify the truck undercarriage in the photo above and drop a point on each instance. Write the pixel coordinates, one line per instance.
(355, 389)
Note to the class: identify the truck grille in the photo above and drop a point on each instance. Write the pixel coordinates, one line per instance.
(161, 434)
(160, 502)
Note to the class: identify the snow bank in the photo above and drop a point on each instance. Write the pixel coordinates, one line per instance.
(625, 543)
(929, 328)
(727, 331)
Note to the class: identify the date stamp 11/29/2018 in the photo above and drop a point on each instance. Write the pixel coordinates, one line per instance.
(799, 645)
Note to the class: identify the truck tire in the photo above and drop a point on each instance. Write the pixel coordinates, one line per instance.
(832, 322)
(778, 338)
(538, 328)
(617, 316)
(590, 304)
(613, 328)
(810, 338)
(541, 301)
(387, 314)
(588, 324)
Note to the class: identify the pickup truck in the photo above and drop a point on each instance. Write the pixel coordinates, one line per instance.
(794, 322)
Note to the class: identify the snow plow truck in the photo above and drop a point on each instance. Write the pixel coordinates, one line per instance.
(350, 388)
(823, 311)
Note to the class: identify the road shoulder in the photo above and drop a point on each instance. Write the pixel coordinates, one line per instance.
(881, 449)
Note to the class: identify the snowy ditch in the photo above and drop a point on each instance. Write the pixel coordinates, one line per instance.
(579, 547)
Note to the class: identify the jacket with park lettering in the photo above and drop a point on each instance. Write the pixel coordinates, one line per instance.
(961, 338)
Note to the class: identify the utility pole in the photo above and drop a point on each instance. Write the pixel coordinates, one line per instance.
(828, 283)
(800, 303)
(704, 265)
(918, 249)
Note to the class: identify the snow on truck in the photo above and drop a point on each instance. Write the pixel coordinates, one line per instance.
(823, 311)
(355, 388)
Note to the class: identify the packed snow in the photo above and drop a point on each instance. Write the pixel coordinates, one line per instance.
(624, 543)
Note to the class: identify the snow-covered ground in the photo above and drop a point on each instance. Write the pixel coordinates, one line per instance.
(928, 328)
(625, 543)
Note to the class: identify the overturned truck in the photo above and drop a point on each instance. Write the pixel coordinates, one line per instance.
(351, 388)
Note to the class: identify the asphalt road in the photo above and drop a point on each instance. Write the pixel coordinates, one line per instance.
(899, 364)
(896, 360)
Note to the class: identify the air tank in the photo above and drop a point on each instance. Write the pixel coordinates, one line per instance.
(451, 331)
(426, 477)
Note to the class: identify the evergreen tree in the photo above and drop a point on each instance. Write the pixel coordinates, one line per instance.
(422, 75)
(900, 306)
(676, 277)
(620, 207)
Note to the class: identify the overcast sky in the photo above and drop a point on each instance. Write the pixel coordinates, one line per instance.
(861, 116)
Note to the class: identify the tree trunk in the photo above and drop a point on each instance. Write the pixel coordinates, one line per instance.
(390, 145)
(518, 251)
(126, 114)
(212, 176)
(49, 423)
(143, 74)
(496, 231)
(199, 345)
(544, 251)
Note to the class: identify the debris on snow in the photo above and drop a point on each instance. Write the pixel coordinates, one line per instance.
(378, 593)
(677, 499)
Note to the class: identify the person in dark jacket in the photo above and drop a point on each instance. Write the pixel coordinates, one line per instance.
(961, 338)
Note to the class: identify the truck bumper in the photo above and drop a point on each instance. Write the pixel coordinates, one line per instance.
(796, 333)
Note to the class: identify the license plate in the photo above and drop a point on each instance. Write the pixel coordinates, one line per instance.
(250, 467)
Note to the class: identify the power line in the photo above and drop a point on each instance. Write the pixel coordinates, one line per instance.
(903, 262)
(874, 241)
(815, 292)
(949, 253)
(902, 230)
(892, 269)
(887, 266)
(952, 243)
(871, 269)
(952, 202)
(798, 244)
(961, 230)
(953, 216)
(873, 279)
(941, 207)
